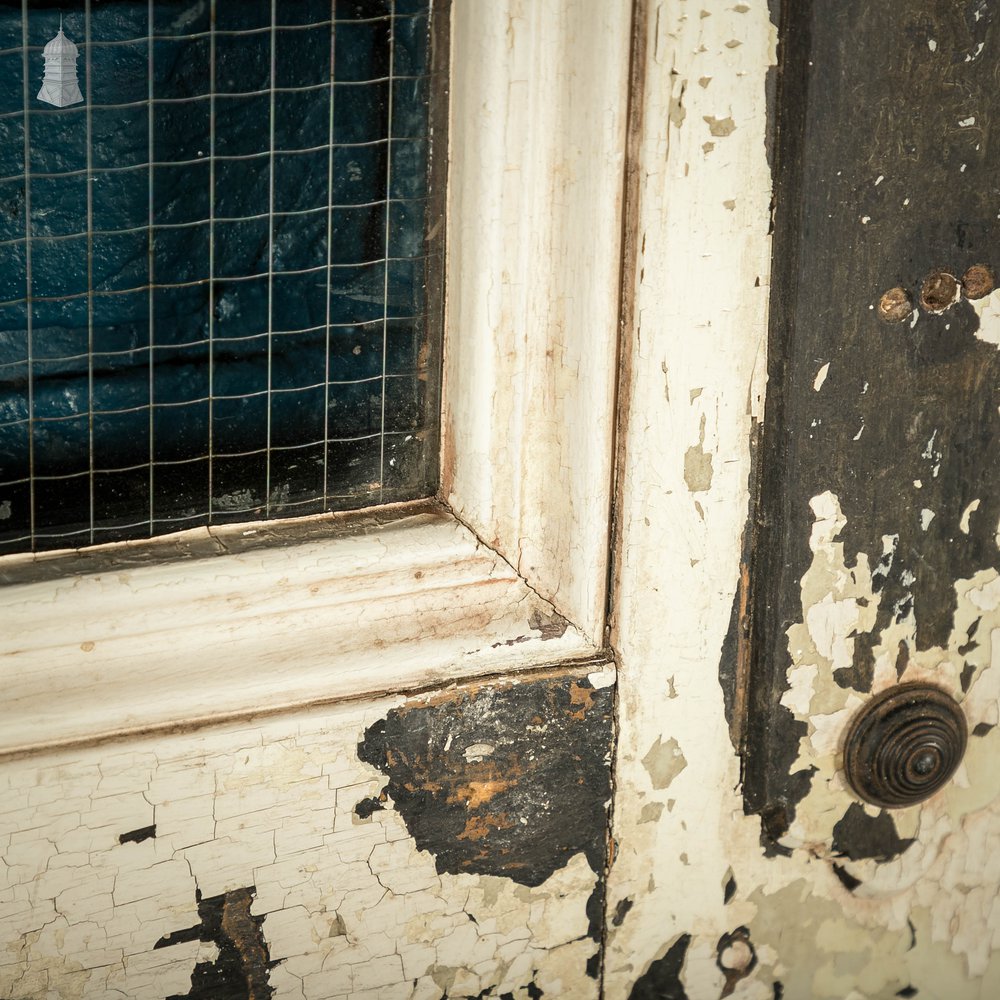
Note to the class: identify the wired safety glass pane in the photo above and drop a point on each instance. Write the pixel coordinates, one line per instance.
(214, 263)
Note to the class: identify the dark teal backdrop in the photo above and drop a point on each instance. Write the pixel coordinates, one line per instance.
(232, 324)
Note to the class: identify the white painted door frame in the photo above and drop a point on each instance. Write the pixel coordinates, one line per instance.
(693, 372)
(511, 573)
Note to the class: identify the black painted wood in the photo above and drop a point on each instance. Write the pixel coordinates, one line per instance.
(886, 174)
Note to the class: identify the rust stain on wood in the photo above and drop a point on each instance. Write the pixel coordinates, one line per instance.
(501, 778)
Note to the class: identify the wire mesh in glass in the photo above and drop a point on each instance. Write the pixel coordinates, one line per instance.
(213, 264)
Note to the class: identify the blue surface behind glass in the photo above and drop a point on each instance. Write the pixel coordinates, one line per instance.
(208, 312)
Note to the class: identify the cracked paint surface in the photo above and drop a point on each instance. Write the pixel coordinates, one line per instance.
(877, 560)
(317, 898)
(927, 871)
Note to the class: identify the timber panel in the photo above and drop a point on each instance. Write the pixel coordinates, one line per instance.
(273, 859)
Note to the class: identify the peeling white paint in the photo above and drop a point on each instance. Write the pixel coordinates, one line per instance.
(808, 931)
(351, 908)
(988, 311)
(944, 823)
(963, 523)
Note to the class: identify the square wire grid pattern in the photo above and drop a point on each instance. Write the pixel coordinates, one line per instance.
(213, 301)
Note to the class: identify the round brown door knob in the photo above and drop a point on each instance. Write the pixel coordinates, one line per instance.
(904, 745)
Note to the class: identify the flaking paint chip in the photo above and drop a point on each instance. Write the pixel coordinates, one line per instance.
(720, 127)
(664, 762)
(963, 524)
(478, 751)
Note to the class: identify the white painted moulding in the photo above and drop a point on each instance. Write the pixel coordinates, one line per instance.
(537, 157)
(237, 624)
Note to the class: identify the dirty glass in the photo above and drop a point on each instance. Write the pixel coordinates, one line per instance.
(213, 265)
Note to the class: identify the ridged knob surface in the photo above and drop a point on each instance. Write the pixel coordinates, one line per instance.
(904, 745)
